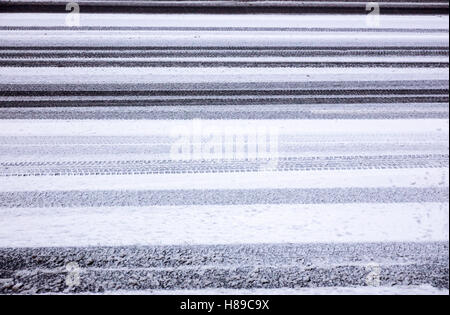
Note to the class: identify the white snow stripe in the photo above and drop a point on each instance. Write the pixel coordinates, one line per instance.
(226, 20)
(205, 38)
(416, 178)
(237, 127)
(123, 75)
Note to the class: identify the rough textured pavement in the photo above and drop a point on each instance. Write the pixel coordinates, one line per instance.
(43, 270)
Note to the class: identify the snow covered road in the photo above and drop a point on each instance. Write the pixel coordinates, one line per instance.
(228, 151)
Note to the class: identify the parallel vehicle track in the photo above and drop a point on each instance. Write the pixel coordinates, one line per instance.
(235, 267)
(220, 166)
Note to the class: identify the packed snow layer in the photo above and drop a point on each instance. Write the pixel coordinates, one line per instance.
(234, 127)
(171, 225)
(222, 39)
(139, 148)
(418, 178)
(147, 152)
(227, 20)
(166, 75)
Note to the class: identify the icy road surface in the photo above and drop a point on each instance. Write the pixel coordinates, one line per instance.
(110, 134)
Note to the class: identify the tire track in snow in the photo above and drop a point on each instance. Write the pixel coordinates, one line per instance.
(221, 166)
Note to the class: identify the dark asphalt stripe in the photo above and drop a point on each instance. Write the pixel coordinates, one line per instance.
(49, 199)
(224, 29)
(225, 101)
(231, 277)
(184, 114)
(172, 256)
(233, 2)
(233, 86)
(229, 266)
(216, 54)
(210, 93)
(228, 2)
(226, 266)
(232, 8)
(221, 166)
(215, 64)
